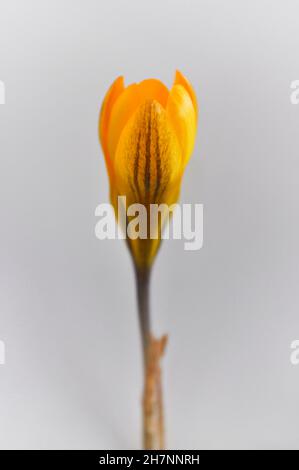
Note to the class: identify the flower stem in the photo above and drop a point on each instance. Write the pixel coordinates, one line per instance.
(153, 349)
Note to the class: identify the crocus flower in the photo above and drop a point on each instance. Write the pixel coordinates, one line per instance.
(147, 134)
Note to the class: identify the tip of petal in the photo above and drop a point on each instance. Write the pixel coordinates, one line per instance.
(178, 76)
(181, 113)
(120, 79)
(152, 88)
(180, 79)
(111, 96)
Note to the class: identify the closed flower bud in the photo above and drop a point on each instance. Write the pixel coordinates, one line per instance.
(147, 135)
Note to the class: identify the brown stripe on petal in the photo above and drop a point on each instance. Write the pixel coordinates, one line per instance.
(136, 164)
(133, 190)
(158, 163)
(147, 169)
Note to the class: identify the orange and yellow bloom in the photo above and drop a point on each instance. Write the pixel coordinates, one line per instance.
(147, 133)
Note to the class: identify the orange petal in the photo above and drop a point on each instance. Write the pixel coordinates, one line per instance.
(112, 94)
(153, 89)
(180, 79)
(181, 113)
(123, 109)
(133, 96)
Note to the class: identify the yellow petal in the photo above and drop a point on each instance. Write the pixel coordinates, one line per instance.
(148, 155)
(112, 94)
(180, 79)
(148, 166)
(181, 113)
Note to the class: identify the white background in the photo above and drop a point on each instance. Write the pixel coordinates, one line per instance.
(73, 375)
